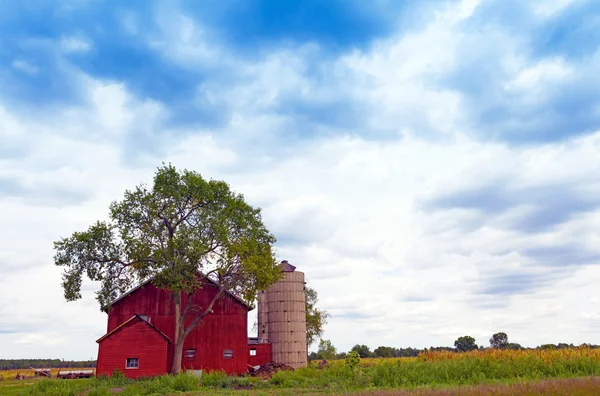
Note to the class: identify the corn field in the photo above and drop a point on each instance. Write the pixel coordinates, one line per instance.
(547, 356)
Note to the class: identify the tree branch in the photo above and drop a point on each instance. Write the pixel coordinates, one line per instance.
(201, 316)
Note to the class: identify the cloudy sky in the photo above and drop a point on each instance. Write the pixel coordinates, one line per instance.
(433, 167)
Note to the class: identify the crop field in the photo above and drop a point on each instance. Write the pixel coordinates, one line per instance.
(498, 372)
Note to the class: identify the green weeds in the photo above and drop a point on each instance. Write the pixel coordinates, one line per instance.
(350, 375)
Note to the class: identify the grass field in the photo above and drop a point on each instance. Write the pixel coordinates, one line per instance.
(557, 372)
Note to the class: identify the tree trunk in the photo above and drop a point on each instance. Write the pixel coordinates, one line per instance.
(181, 332)
(177, 357)
(178, 342)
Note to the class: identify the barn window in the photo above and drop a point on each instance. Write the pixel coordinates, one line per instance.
(189, 353)
(132, 363)
(252, 351)
(227, 354)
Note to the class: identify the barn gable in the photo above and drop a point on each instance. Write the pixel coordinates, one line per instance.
(133, 318)
(210, 283)
(136, 348)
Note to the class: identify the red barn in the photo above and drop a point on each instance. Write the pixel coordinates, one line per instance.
(259, 351)
(146, 352)
(141, 327)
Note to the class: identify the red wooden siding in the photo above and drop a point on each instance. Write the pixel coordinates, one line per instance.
(134, 340)
(263, 354)
(223, 329)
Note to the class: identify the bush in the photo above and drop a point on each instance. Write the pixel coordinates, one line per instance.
(56, 387)
(215, 379)
(353, 360)
(165, 384)
(100, 392)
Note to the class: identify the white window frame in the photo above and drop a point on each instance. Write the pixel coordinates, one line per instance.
(137, 363)
(252, 351)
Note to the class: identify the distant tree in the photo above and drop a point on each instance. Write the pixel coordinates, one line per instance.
(313, 356)
(362, 350)
(407, 352)
(182, 233)
(316, 318)
(465, 343)
(513, 346)
(384, 352)
(15, 364)
(326, 350)
(341, 355)
(499, 340)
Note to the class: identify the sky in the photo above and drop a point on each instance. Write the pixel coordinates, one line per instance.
(432, 167)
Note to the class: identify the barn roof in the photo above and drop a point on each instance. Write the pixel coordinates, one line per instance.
(230, 294)
(134, 317)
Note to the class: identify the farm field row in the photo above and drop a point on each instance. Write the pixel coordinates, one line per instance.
(586, 386)
(479, 372)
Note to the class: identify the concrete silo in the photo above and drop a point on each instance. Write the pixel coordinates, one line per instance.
(282, 317)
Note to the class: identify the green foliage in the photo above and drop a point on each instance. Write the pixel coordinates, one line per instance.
(100, 392)
(464, 369)
(118, 377)
(384, 352)
(352, 360)
(499, 340)
(163, 385)
(362, 350)
(316, 319)
(57, 387)
(215, 379)
(465, 343)
(326, 350)
(169, 232)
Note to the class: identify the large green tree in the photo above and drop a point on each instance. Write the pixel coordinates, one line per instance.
(385, 352)
(465, 343)
(182, 233)
(326, 350)
(362, 350)
(316, 318)
(499, 340)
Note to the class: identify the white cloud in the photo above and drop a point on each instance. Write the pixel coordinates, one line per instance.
(349, 209)
(546, 9)
(547, 71)
(25, 67)
(75, 44)
(39, 339)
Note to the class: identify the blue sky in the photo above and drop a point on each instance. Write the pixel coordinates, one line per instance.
(431, 166)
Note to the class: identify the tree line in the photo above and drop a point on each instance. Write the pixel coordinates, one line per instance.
(21, 364)
(499, 340)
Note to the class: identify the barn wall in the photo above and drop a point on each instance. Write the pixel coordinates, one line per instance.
(263, 354)
(223, 329)
(134, 340)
